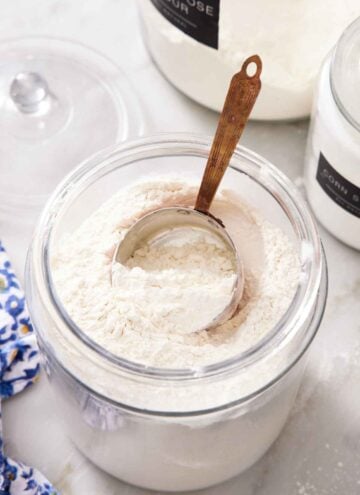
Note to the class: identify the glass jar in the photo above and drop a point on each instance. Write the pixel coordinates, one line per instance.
(198, 45)
(332, 165)
(174, 429)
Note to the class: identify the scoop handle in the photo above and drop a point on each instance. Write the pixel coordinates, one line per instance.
(240, 99)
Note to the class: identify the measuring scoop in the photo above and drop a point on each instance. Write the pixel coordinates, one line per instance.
(169, 223)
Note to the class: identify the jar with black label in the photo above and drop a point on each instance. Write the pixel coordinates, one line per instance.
(199, 44)
(332, 166)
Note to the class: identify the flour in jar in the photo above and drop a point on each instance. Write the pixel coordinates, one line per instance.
(146, 313)
(182, 282)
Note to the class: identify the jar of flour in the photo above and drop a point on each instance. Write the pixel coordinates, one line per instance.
(332, 164)
(144, 399)
(198, 45)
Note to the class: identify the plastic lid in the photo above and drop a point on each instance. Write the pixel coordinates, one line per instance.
(345, 74)
(59, 103)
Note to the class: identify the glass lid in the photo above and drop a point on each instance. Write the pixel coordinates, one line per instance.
(59, 103)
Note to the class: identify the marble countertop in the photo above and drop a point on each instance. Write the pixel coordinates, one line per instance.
(318, 452)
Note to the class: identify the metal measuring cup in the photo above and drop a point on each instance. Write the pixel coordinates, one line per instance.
(166, 222)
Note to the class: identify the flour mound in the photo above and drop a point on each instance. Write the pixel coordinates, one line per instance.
(146, 313)
(180, 286)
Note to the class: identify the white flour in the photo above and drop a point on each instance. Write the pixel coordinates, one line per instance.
(173, 284)
(145, 315)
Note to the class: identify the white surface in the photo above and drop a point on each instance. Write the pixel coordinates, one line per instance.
(318, 452)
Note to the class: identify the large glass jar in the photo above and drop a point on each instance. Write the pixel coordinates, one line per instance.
(332, 163)
(199, 45)
(174, 429)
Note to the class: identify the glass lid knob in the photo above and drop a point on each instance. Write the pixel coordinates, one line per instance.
(30, 92)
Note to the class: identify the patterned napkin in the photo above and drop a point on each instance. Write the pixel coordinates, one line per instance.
(19, 368)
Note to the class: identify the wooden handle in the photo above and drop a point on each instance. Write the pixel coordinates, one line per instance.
(240, 99)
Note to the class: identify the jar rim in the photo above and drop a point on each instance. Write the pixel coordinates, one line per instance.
(284, 192)
(341, 59)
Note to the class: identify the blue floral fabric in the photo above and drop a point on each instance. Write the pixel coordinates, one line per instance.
(19, 368)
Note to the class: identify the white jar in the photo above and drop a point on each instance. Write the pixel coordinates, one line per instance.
(333, 154)
(198, 45)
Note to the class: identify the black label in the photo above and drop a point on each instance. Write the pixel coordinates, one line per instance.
(198, 19)
(339, 189)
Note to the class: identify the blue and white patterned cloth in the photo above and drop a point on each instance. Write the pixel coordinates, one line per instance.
(19, 368)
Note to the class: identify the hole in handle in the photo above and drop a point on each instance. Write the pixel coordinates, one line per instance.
(252, 66)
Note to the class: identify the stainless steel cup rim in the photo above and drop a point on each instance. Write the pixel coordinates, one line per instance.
(162, 222)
